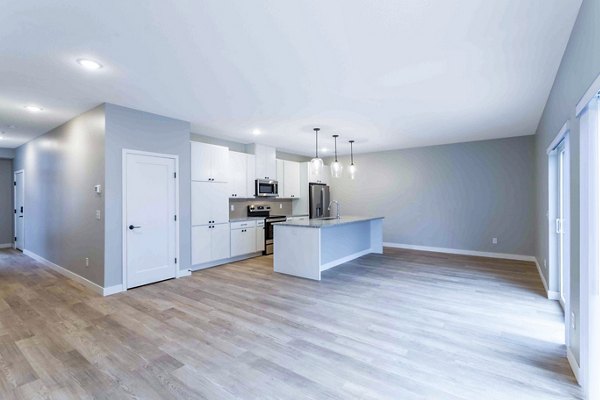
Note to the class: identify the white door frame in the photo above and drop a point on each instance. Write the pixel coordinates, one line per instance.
(175, 157)
(20, 171)
(554, 272)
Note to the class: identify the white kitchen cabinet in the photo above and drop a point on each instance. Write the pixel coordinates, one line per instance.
(209, 162)
(265, 161)
(210, 243)
(210, 203)
(243, 241)
(291, 179)
(260, 236)
(238, 170)
(280, 178)
(250, 175)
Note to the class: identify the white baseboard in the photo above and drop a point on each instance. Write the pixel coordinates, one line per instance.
(573, 364)
(551, 294)
(506, 256)
(183, 273)
(107, 291)
(6, 246)
(78, 278)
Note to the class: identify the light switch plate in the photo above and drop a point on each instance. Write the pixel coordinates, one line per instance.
(232, 207)
(98, 215)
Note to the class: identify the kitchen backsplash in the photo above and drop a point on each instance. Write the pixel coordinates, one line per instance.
(278, 206)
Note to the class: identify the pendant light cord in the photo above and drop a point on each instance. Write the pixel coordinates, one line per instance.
(316, 142)
(351, 153)
(335, 145)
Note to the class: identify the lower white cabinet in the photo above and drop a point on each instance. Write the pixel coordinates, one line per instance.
(260, 236)
(243, 241)
(210, 243)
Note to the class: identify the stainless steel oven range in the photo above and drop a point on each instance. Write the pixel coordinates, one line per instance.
(265, 211)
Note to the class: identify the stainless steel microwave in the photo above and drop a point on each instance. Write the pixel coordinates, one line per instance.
(265, 188)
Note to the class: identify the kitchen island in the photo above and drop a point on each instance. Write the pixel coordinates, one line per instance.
(306, 248)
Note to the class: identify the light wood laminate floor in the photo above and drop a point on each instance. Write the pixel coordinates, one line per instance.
(402, 325)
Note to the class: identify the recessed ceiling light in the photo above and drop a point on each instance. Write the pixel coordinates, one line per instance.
(256, 131)
(89, 64)
(33, 108)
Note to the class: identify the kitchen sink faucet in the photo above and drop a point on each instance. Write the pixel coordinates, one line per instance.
(337, 208)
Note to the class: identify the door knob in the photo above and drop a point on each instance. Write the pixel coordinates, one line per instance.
(132, 227)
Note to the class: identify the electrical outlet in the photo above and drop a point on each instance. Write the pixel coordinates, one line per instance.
(98, 215)
(573, 320)
(87, 262)
(494, 240)
(545, 264)
(232, 207)
(280, 205)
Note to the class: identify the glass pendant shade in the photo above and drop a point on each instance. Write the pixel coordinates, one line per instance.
(336, 169)
(352, 171)
(352, 167)
(336, 166)
(316, 164)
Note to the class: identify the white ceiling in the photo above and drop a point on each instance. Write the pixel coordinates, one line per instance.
(388, 73)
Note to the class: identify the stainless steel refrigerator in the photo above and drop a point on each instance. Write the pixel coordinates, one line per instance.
(318, 195)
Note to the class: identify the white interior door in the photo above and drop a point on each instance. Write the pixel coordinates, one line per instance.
(150, 247)
(19, 187)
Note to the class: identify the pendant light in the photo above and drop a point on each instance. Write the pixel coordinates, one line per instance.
(352, 168)
(316, 164)
(336, 166)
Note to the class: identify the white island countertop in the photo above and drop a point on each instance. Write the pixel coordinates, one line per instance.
(327, 222)
(306, 248)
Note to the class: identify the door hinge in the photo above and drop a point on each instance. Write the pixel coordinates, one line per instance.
(15, 238)
(175, 217)
(175, 175)
(15, 211)
(14, 183)
(175, 260)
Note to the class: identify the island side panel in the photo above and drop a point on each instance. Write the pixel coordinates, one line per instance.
(377, 236)
(340, 244)
(297, 251)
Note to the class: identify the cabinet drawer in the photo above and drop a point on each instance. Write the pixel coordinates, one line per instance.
(243, 224)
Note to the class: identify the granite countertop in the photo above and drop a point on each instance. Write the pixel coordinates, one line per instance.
(326, 223)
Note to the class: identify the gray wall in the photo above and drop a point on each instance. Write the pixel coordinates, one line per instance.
(456, 196)
(61, 169)
(136, 130)
(579, 67)
(7, 153)
(6, 202)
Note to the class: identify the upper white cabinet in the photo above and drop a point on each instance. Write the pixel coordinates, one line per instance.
(210, 163)
(210, 204)
(238, 169)
(241, 174)
(265, 161)
(291, 179)
(280, 178)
